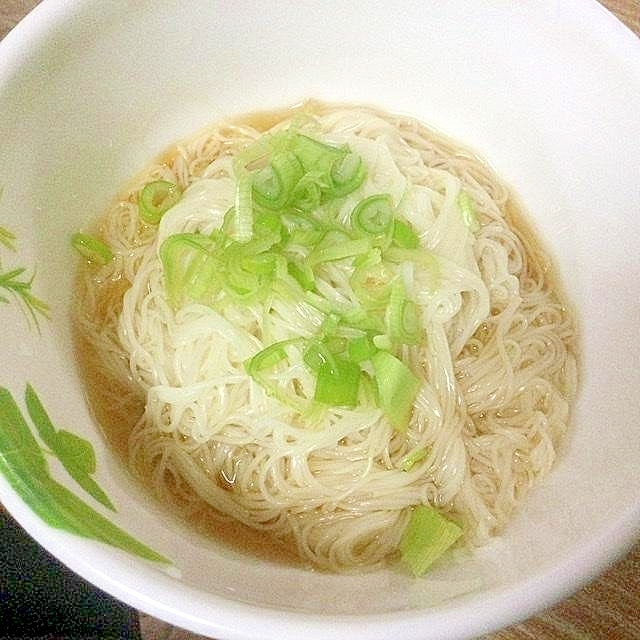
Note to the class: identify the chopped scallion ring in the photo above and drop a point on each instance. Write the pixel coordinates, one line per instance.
(287, 234)
(274, 184)
(156, 198)
(373, 215)
(347, 174)
(404, 236)
(91, 248)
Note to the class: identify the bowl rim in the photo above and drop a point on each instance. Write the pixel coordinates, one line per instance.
(574, 571)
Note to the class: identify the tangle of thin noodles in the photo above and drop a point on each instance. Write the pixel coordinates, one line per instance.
(498, 362)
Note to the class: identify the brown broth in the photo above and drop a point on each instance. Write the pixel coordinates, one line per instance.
(117, 419)
(117, 410)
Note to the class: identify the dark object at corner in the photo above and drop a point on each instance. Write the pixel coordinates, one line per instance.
(41, 599)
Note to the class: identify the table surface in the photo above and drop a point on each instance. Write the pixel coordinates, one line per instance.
(607, 608)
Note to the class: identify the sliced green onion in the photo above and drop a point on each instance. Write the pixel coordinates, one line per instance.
(426, 537)
(402, 316)
(468, 211)
(156, 198)
(318, 302)
(347, 249)
(337, 383)
(244, 283)
(347, 174)
(307, 194)
(317, 354)
(190, 266)
(373, 257)
(283, 228)
(274, 184)
(268, 223)
(91, 248)
(261, 365)
(336, 344)
(302, 230)
(266, 359)
(250, 267)
(372, 285)
(315, 155)
(397, 388)
(373, 215)
(255, 155)
(303, 275)
(361, 349)
(382, 341)
(404, 236)
(409, 461)
(328, 347)
(241, 221)
(263, 240)
(419, 256)
(361, 320)
(330, 325)
(259, 264)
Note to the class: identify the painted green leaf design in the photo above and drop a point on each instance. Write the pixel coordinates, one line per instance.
(18, 447)
(6, 237)
(77, 450)
(17, 287)
(75, 453)
(24, 466)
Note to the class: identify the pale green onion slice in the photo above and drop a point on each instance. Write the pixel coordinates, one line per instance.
(156, 198)
(373, 215)
(241, 216)
(274, 184)
(397, 389)
(337, 383)
(347, 174)
(91, 248)
(468, 211)
(404, 236)
(402, 316)
(409, 461)
(426, 537)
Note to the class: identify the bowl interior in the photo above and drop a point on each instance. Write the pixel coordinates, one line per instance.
(90, 92)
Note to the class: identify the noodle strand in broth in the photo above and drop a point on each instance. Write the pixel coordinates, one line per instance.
(497, 363)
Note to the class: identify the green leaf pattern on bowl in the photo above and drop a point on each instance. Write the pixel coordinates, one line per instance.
(15, 287)
(24, 465)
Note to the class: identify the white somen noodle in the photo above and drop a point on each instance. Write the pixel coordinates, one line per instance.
(497, 365)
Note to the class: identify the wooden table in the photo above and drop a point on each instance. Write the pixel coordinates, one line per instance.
(606, 609)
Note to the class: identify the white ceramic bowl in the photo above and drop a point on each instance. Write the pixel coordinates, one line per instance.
(547, 91)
